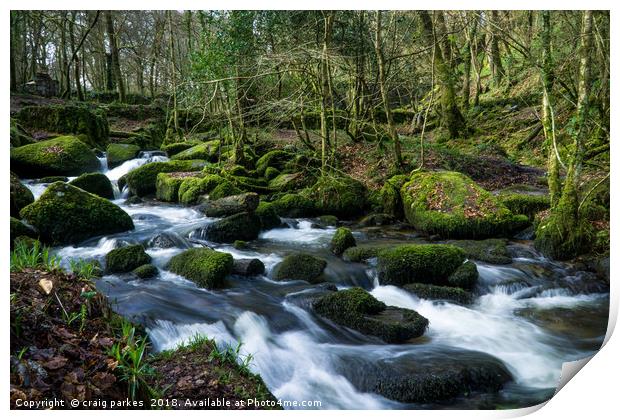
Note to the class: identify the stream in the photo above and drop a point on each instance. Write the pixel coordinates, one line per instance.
(533, 314)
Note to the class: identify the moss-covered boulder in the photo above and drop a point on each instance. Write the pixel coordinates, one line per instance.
(60, 156)
(527, 204)
(19, 229)
(289, 182)
(357, 309)
(493, 251)
(376, 219)
(248, 267)
(67, 119)
(389, 196)
(65, 214)
(242, 226)
(361, 253)
(208, 151)
(271, 173)
(341, 196)
(172, 149)
(146, 271)
(95, 183)
(294, 205)
(117, 153)
(342, 239)
(19, 136)
(21, 196)
(275, 159)
(269, 219)
(418, 264)
(227, 206)
(451, 205)
(142, 181)
(432, 292)
(465, 277)
(192, 190)
(126, 258)
(203, 266)
(560, 237)
(300, 267)
(168, 184)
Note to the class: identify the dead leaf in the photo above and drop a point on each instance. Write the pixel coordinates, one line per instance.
(55, 363)
(46, 285)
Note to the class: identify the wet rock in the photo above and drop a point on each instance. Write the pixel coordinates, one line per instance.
(19, 229)
(228, 206)
(359, 310)
(117, 153)
(65, 214)
(300, 267)
(341, 196)
(21, 196)
(125, 259)
(142, 181)
(242, 226)
(269, 219)
(146, 271)
(389, 196)
(95, 183)
(52, 179)
(275, 159)
(248, 267)
(342, 239)
(465, 276)
(431, 292)
(361, 253)
(167, 185)
(377, 219)
(294, 205)
(493, 251)
(208, 151)
(203, 266)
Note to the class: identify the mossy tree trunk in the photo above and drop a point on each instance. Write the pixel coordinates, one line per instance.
(328, 23)
(116, 65)
(495, 60)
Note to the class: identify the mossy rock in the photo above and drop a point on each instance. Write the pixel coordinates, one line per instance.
(67, 119)
(341, 196)
(142, 181)
(526, 204)
(465, 277)
(389, 196)
(289, 182)
(224, 189)
(95, 183)
(493, 251)
(341, 241)
(240, 245)
(65, 214)
(248, 267)
(451, 205)
(327, 220)
(271, 173)
(418, 264)
(274, 159)
(236, 170)
(242, 226)
(248, 184)
(377, 219)
(361, 253)
(227, 206)
(21, 196)
(117, 153)
(294, 205)
(192, 189)
(432, 292)
(19, 136)
(208, 151)
(125, 259)
(562, 240)
(357, 309)
(203, 266)
(65, 155)
(20, 229)
(168, 184)
(269, 219)
(52, 179)
(146, 271)
(172, 149)
(300, 267)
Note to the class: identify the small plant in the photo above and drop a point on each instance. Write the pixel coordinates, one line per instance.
(84, 269)
(31, 254)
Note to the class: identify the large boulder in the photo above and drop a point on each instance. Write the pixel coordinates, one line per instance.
(95, 183)
(300, 267)
(19, 136)
(294, 205)
(60, 156)
(242, 226)
(125, 259)
(341, 241)
(275, 159)
(493, 251)
(527, 204)
(145, 271)
(21, 196)
(288, 182)
(206, 151)
(389, 195)
(18, 228)
(269, 219)
(65, 214)
(117, 153)
(172, 149)
(230, 205)
(248, 267)
(451, 205)
(432, 292)
(340, 196)
(418, 264)
(203, 266)
(168, 184)
(67, 119)
(357, 309)
(212, 187)
(142, 181)
(464, 277)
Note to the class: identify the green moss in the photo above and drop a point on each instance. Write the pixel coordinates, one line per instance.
(19, 136)
(67, 119)
(558, 240)
(342, 197)
(418, 264)
(20, 229)
(361, 253)
(275, 159)
(146, 271)
(465, 276)
(235, 170)
(95, 183)
(241, 226)
(244, 183)
(65, 214)
(294, 205)
(451, 205)
(269, 219)
(168, 184)
(359, 310)
(142, 180)
(328, 220)
(271, 173)
(342, 239)
(240, 244)
(52, 179)
(432, 292)
(21, 196)
(192, 189)
(172, 149)
(224, 189)
(289, 182)
(208, 151)
(60, 156)
(526, 204)
(300, 267)
(117, 153)
(125, 259)
(493, 251)
(203, 266)
(389, 195)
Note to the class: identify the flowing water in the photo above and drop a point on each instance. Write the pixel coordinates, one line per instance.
(533, 314)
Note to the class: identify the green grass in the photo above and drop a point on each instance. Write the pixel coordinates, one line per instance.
(31, 254)
(84, 269)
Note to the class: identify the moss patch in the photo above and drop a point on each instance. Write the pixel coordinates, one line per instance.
(465, 276)
(269, 219)
(493, 251)
(117, 153)
(125, 259)
(142, 180)
(242, 226)
(168, 184)
(275, 159)
(206, 151)
(526, 204)
(294, 205)
(342, 239)
(146, 271)
(361, 253)
(343, 197)
(432, 292)
(95, 183)
(300, 267)
(21, 196)
(203, 266)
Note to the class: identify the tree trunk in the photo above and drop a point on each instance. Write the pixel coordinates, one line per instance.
(495, 60)
(328, 21)
(116, 65)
